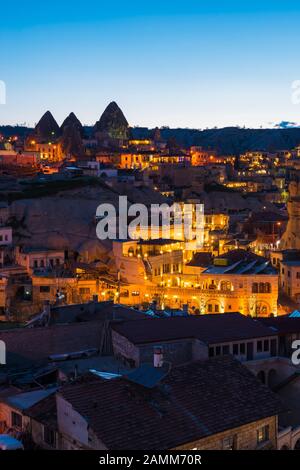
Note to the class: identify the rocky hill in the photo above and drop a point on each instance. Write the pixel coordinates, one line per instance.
(72, 134)
(229, 140)
(72, 121)
(47, 128)
(113, 123)
(113, 126)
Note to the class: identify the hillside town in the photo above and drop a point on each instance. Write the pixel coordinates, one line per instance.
(148, 342)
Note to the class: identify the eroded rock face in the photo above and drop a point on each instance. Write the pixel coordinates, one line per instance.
(72, 120)
(67, 220)
(72, 133)
(113, 123)
(71, 141)
(47, 128)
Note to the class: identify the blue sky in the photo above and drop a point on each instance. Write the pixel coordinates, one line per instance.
(187, 63)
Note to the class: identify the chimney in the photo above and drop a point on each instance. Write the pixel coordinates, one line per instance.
(158, 357)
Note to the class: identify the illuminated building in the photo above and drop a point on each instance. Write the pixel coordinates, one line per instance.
(291, 237)
(142, 144)
(202, 157)
(215, 229)
(133, 160)
(39, 258)
(237, 281)
(145, 262)
(10, 157)
(50, 151)
(287, 262)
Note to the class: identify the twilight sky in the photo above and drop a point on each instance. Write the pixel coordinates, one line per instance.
(181, 63)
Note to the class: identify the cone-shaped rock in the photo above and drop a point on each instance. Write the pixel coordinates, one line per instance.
(113, 123)
(72, 120)
(71, 140)
(47, 128)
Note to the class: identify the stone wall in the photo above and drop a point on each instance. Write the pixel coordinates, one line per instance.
(246, 437)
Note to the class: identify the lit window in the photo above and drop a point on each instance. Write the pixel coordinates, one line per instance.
(263, 434)
(84, 290)
(255, 288)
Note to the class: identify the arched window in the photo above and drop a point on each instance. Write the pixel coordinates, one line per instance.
(255, 288)
(268, 288)
(261, 287)
(225, 286)
(130, 251)
(213, 307)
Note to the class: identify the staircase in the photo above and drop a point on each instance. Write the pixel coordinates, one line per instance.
(148, 268)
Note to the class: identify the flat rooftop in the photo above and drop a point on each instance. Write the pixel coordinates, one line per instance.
(210, 328)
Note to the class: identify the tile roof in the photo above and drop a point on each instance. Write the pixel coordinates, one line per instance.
(240, 262)
(291, 262)
(192, 402)
(282, 324)
(110, 311)
(210, 328)
(159, 241)
(45, 411)
(24, 345)
(26, 400)
(201, 259)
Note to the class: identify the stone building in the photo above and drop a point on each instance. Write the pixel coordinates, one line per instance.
(163, 409)
(185, 339)
(237, 281)
(291, 237)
